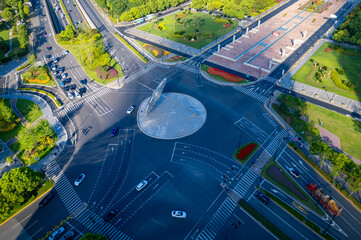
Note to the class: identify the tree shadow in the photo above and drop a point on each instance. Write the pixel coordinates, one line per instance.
(357, 125)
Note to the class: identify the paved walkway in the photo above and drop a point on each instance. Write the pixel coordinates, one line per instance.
(17, 112)
(53, 121)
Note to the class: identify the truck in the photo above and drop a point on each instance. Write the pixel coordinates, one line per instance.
(321, 196)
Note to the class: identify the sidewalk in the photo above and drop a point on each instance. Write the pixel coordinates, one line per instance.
(53, 121)
(314, 92)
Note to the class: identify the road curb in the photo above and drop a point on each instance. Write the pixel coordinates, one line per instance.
(28, 205)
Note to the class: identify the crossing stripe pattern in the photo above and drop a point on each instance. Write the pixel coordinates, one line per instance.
(270, 119)
(245, 183)
(252, 130)
(73, 106)
(273, 146)
(63, 187)
(96, 224)
(219, 218)
(270, 79)
(250, 93)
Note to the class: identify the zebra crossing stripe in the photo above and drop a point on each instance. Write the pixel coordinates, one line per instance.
(250, 93)
(272, 147)
(219, 218)
(245, 183)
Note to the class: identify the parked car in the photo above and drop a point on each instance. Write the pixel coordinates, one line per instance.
(114, 132)
(62, 83)
(84, 81)
(82, 90)
(110, 215)
(58, 77)
(61, 69)
(63, 75)
(77, 94)
(262, 197)
(54, 72)
(79, 179)
(141, 185)
(130, 109)
(66, 88)
(73, 86)
(46, 200)
(56, 233)
(68, 235)
(294, 173)
(179, 214)
(53, 67)
(70, 95)
(55, 60)
(68, 80)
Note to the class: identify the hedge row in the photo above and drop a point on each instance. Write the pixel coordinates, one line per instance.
(56, 101)
(66, 13)
(131, 48)
(298, 215)
(23, 66)
(339, 83)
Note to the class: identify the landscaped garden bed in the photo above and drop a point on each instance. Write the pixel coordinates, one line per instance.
(222, 75)
(155, 51)
(194, 29)
(176, 58)
(38, 75)
(333, 68)
(245, 152)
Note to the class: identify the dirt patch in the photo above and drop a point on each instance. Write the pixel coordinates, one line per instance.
(106, 72)
(226, 25)
(328, 50)
(174, 58)
(275, 173)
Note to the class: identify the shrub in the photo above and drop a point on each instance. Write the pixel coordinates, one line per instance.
(340, 71)
(221, 20)
(9, 159)
(340, 83)
(180, 32)
(56, 101)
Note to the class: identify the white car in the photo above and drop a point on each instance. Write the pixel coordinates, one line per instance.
(77, 95)
(79, 179)
(56, 233)
(66, 52)
(130, 109)
(179, 214)
(70, 95)
(294, 172)
(141, 185)
(53, 67)
(55, 60)
(63, 75)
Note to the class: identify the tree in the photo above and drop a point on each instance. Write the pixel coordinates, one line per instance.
(18, 183)
(66, 34)
(8, 14)
(4, 48)
(27, 139)
(338, 162)
(9, 159)
(4, 208)
(6, 112)
(355, 179)
(321, 149)
(92, 236)
(23, 36)
(26, 10)
(31, 59)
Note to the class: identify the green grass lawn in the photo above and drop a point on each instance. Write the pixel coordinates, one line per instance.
(347, 129)
(75, 49)
(6, 136)
(309, 203)
(4, 33)
(30, 110)
(209, 30)
(347, 60)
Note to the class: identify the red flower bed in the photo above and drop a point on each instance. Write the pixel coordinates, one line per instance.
(108, 74)
(228, 76)
(328, 50)
(246, 151)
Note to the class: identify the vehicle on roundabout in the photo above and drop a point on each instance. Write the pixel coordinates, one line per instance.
(179, 214)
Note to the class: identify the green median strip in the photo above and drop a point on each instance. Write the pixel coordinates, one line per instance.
(265, 222)
(297, 215)
(23, 66)
(58, 104)
(66, 13)
(131, 48)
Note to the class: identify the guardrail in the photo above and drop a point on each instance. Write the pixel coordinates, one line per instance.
(85, 15)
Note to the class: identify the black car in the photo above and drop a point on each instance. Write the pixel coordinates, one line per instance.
(114, 131)
(73, 86)
(110, 215)
(67, 80)
(82, 90)
(58, 77)
(262, 197)
(66, 88)
(46, 200)
(61, 69)
(84, 81)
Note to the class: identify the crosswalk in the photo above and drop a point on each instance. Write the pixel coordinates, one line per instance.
(96, 224)
(218, 220)
(252, 130)
(275, 143)
(245, 183)
(63, 187)
(250, 93)
(270, 119)
(270, 79)
(73, 106)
